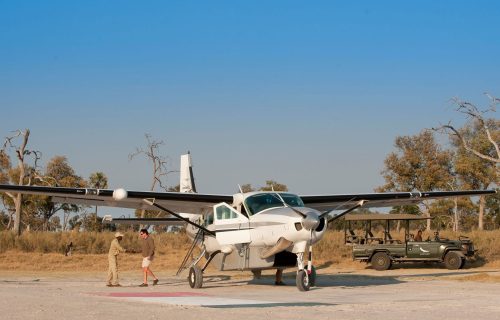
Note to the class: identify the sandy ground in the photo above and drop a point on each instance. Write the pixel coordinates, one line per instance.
(403, 293)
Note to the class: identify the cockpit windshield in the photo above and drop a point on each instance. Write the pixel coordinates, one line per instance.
(262, 201)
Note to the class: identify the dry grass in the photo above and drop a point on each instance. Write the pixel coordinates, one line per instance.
(481, 277)
(44, 251)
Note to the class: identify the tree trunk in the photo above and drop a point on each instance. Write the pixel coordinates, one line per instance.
(456, 225)
(18, 200)
(17, 217)
(482, 203)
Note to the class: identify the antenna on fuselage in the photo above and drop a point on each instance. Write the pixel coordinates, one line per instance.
(239, 187)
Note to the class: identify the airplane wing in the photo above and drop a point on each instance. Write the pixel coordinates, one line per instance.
(175, 201)
(386, 199)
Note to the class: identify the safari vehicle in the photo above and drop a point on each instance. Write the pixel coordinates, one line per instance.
(382, 252)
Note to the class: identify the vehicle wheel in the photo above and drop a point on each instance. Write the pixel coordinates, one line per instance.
(195, 277)
(381, 261)
(452, 260)
(462, 264)
(302, 281)
(312, 277)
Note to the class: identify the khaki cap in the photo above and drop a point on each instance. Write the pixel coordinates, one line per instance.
(118, 234)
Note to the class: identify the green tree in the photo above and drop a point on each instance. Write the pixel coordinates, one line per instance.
(487, 128)
(75, 223)
(418, 164)
(269, 186)
(493, 210)
(60, 174)
(98, 180)
(273, 185)
(22, 173)
(473, 171)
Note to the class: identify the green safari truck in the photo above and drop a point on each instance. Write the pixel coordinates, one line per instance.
(382, 252)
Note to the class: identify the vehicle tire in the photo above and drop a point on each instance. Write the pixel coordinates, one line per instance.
(381, 261)
(302, 281)
(462, 264)
(452, 260)
(195, 277)
(312, 277)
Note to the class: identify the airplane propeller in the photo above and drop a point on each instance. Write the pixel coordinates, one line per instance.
(310, 220)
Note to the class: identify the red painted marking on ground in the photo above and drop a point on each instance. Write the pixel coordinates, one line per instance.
(154, 294)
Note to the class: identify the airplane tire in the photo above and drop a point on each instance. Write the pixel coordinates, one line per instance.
(195, 277)
(381, 261)
(452, 260)
(303, 281)
(312, 277)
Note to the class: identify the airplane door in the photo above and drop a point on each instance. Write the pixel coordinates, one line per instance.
(231, 226)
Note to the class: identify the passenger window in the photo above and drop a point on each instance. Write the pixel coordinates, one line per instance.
(224, 212)
(209, 219)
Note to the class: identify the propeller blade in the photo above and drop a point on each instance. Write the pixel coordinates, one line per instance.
(288, 206)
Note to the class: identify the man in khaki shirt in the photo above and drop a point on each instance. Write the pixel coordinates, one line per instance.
(114, 250)
(148, 253)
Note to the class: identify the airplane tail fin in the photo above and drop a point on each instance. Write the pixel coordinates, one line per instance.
(186, 175)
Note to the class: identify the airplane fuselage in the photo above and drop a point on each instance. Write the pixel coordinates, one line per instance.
(260, 239)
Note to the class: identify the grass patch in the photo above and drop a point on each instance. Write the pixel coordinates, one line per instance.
(44, 250)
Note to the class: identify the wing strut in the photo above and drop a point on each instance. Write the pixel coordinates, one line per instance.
(152, 203)
(359, 204)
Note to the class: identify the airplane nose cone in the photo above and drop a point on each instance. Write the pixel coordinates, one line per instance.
(311, 221)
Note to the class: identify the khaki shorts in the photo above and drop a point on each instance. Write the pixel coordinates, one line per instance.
(146, 262)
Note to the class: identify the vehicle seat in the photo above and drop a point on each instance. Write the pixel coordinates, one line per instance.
(352, 237)
(390, 239)
(371, 238)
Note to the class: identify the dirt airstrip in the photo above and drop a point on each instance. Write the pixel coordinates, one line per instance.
(416, 292)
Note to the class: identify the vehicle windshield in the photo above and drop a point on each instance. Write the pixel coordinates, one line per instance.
(262, 201)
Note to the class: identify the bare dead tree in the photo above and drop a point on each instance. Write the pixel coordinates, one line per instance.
(158, 162)
(21, 153)
(473, 113)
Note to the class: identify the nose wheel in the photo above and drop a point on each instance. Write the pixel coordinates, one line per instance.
(306, 277)
(195, 277)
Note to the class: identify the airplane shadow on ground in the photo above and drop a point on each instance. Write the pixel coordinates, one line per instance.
(351, 279)
(332, 280)
(344, 279)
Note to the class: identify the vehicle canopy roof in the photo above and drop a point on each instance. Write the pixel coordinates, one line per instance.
(383, 216)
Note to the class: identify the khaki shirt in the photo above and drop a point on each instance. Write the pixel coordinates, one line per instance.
(148, 247)
(115, 248)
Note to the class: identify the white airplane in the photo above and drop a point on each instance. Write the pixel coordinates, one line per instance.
(245, 231)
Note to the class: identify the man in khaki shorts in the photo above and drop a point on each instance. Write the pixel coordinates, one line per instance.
(148, 252)
(114, 250)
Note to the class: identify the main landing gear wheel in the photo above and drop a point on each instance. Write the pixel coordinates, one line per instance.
(381, 261)
(302, 281)
(195, 277)
(312, 277)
